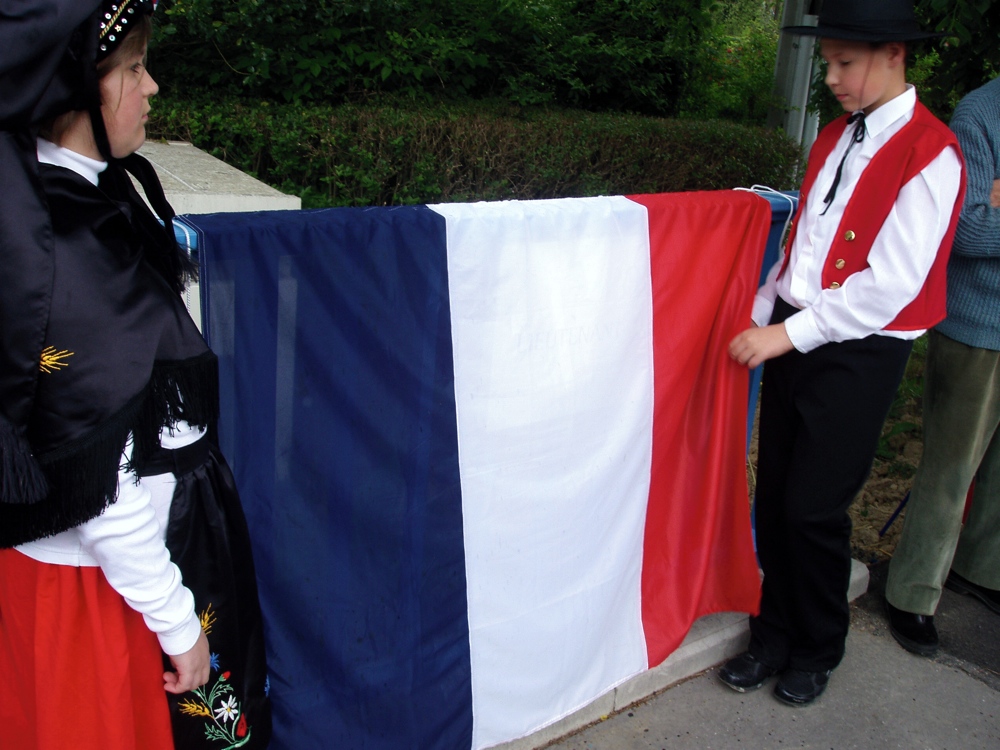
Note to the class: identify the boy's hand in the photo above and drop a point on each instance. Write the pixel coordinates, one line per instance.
(756, 345)
(192, 667)
(995, 194)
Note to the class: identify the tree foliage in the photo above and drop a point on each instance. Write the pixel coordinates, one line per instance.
(733, 69)
(596, 54)
(970, 53)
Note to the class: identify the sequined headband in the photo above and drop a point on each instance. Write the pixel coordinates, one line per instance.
(117, 19)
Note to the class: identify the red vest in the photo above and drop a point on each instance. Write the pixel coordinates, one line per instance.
(903, 157)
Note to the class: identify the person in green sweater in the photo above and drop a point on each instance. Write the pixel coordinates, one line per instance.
(961, 409)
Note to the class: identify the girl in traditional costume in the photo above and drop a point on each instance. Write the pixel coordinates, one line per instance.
(129, 617)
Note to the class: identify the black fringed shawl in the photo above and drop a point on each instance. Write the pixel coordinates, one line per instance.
(121, 355)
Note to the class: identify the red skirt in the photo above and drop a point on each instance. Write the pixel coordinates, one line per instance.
(78, 666)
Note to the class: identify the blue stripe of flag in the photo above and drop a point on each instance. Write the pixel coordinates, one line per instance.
(338, 321)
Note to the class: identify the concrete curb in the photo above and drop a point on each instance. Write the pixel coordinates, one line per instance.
(712, 640)
(197, 183)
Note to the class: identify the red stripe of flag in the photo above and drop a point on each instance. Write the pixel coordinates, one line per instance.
(698, 553)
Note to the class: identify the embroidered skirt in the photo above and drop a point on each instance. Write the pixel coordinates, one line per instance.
(208, 540)
(98, 684)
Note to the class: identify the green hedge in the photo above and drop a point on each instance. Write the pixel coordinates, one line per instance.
(608, 55)
(391, 154)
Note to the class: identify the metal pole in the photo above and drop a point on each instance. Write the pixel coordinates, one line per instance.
(793, 72)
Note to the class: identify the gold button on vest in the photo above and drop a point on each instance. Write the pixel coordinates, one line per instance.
(840, 264)
(835, 285)
(849, 235)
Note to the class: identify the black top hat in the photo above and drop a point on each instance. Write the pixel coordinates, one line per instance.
(866, 21)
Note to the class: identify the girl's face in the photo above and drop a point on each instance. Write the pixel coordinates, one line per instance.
(125, 93)
(860, 76)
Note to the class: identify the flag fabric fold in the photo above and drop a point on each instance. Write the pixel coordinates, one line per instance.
(492, 455)
(698, 551)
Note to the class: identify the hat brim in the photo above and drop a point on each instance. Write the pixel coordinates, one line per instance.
(854, 35)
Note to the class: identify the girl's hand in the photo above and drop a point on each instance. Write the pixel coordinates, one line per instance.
(757, 345)
(192, 668)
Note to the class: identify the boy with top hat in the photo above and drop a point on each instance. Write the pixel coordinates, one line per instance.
(863, 275)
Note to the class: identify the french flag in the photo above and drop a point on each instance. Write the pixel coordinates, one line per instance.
(491, 454)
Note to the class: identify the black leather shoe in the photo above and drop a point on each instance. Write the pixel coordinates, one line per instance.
(989, 597)
(798, 688)
(745, 673)
(915, 633)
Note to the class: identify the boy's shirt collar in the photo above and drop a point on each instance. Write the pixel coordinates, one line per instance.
(891, 111)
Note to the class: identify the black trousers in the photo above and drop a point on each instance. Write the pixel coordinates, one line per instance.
(821, 416)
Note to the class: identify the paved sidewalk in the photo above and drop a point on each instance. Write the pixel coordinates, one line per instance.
(880, 697)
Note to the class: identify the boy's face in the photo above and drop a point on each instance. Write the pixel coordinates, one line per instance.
(862, 76)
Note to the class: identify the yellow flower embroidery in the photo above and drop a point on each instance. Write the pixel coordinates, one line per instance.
(53, 360)
(207, 619)
(192, 708)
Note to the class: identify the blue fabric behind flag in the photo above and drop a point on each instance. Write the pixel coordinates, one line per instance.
(333, 331)
(783, 207)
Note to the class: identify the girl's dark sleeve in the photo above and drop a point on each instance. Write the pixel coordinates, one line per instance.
(44, 48)
(35, 36)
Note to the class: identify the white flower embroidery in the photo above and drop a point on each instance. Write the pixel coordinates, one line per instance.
(227, 710)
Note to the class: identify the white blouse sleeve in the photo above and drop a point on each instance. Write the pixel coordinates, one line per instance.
(763, 302)
(126, 540)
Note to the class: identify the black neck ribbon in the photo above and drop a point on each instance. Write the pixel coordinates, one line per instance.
(858, 120)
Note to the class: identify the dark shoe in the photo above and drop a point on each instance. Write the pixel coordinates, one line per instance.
(989, 597)
(799, 688)
(745, 673)
(915, 633)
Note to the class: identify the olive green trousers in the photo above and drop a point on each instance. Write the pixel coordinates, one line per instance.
(961, 414)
